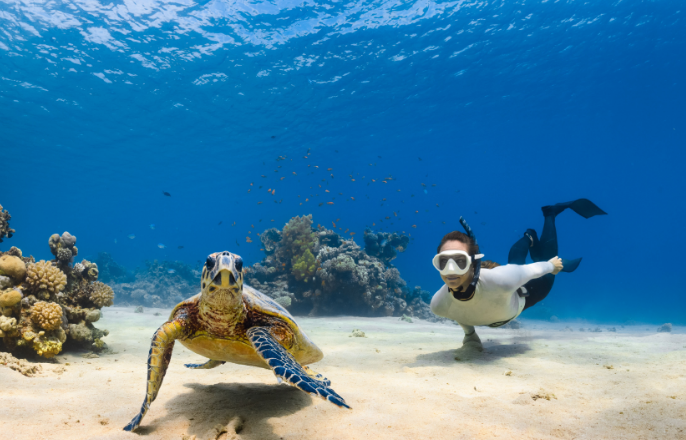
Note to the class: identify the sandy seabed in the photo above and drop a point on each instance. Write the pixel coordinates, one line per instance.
(402, 380)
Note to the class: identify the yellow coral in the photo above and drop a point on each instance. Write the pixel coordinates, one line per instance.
(304, 266)
(103, 295)
(10, 297)
(47, 315)
(13, 267)
(48, 347)
(44, 276)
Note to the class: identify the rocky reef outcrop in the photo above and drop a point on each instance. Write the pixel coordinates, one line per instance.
(317, 272)
(47, 305)
(158, 284)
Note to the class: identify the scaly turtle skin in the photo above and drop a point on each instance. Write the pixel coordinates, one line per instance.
(230, 322)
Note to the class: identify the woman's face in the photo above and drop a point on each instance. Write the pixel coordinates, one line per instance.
(455, 281)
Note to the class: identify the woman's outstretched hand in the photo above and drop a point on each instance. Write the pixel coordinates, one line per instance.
(557, 264)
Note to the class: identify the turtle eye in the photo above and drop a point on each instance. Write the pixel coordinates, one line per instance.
(209, 264)
(239, 264)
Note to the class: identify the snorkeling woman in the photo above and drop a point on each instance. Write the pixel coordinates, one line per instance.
(477, 293)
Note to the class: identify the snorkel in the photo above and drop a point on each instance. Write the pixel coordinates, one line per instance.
(476, 262)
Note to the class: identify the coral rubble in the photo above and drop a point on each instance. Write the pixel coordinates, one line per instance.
(46, 305)
(315, 271)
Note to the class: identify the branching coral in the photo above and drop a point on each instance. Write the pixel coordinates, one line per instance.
(13, 267)
(5, 230)
(63, 247)
(45, 279)
(47, 316)
(102, 295)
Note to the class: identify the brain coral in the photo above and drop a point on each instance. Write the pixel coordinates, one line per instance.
(47, 315)
(13, 267)
(45, 276)
(103, 295)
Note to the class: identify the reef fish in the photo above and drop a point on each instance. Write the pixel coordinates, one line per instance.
(166, 193)
(160, 245)
(131, 236)
(180, 247)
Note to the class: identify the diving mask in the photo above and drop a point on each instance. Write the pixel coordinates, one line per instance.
(454, 262)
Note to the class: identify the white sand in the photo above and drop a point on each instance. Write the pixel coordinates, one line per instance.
(402, 381)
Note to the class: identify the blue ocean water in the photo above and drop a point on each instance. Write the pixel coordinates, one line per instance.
(488, 110)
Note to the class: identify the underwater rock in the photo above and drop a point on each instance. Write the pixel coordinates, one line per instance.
(5, 230)
(325, 274)
(665, 328)
(138, 309)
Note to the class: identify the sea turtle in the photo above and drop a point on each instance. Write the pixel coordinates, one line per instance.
(232, 322)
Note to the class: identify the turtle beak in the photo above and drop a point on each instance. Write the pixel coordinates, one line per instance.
(224, 279)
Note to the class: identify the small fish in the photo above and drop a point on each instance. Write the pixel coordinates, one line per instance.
(237, 243)
(180, 247)
(420, 158)
(220, 222)
(131, 236)
(329, 203)
(166, 193)
(171, 271)
(160, 245)
(152, 226)
(273, 137)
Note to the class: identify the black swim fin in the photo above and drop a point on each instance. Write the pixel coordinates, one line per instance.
(570, 265)
(583, 207)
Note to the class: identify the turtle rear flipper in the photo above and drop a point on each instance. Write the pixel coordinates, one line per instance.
(206, 366)
(286, 368)
(158, 361)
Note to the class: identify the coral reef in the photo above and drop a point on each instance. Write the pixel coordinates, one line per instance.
(52, 305)
(317, 272)
(159, 284)
(63, 248)
(110, 271)
(5, 230)
(384, 245)
(665, 328)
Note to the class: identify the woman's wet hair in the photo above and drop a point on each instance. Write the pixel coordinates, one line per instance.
(472, 247)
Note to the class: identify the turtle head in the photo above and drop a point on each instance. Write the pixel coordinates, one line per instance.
(222, 279)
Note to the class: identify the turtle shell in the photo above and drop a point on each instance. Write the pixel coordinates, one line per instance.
(236, 348)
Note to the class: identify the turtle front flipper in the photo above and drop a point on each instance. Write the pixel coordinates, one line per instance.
(158, 361)
(206, 366)
(286, 368)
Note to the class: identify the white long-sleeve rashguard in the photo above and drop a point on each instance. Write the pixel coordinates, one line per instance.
(495, 298)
